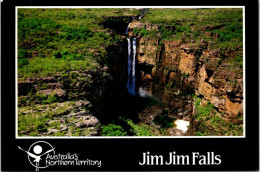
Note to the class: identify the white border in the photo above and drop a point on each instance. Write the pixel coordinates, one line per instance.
(127, 137)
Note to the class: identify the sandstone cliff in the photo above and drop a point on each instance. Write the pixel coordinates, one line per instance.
(174, 67)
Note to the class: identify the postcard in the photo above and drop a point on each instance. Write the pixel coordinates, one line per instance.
(130, 87)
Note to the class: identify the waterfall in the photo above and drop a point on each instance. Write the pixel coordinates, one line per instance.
(126, 32)
(131, 66)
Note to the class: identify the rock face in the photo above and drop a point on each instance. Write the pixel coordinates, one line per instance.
(117, 23)
(187, 64)
(69, 118)
(74, 85)
(81, 121)
(87, 121)
(192, 68)
(145, 55)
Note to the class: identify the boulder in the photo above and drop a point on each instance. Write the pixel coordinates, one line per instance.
(51, 131)
(232, 108)
(147, 78)
(217, 102)
(205, 89)
(87, 121)
(85, 104)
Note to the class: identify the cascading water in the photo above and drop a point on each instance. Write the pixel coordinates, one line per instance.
(126, 32)
(131, 66)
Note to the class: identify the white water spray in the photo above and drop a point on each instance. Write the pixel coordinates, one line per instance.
(182, 125)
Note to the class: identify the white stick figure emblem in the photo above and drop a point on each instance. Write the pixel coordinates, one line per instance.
(36, 155)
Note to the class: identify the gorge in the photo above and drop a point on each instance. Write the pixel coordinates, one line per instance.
(150, 76)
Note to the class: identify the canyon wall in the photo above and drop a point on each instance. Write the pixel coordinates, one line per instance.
(175, 67)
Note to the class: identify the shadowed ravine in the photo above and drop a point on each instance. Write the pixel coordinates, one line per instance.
(136, 102)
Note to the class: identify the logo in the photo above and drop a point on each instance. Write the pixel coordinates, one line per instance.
(37, 152)
(41, 155)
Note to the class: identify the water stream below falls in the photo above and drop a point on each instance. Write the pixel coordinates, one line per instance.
(182, 125)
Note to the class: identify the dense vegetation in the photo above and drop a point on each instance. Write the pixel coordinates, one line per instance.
(126, 127)
(212, 123)
(58, 40)
(193, 24)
